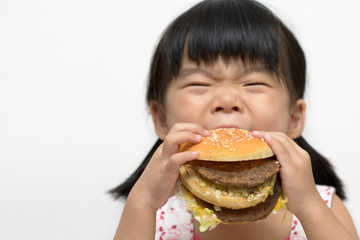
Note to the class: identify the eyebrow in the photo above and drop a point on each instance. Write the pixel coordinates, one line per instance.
(191, 70)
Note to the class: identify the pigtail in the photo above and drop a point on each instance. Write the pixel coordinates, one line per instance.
(123, 190)
(323, 170)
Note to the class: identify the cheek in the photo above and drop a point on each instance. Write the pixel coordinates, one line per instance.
(273, 115)
(180, 108)
(274, 121)
(281, 123)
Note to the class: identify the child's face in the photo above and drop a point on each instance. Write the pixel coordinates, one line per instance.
(230, 95)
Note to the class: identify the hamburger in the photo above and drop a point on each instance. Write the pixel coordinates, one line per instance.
(234, 180)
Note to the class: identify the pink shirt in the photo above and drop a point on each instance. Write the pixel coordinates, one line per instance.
(174, 220)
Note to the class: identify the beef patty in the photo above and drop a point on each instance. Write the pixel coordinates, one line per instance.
(252, 214)
(244, 174)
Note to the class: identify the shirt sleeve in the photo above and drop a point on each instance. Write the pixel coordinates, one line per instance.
(326, 193)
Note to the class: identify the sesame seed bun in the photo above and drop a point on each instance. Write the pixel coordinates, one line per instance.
(229, 144)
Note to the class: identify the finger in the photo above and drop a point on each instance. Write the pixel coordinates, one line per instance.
(173, 141)
(258, 134)
(261, 134)
(281, 151)
(191, 127)
(280, 138)
(293, 150)
(275, 140)
(283, 147)
(181, 133)
(176, 160)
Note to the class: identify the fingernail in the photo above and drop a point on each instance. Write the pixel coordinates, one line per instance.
(195, 153)
(255, 132)
(267, 137)
(198, 137)
(207, 133)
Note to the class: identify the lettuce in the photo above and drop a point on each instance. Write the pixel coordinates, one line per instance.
(206, 217)
(281, 203)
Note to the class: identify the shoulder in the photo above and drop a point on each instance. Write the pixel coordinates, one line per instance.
(337, 206)
(342, 213)
(174, 221)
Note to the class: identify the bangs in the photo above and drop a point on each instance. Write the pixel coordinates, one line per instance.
(229, 29)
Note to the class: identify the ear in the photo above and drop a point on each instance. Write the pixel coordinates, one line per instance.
(297, 119)
(159, 119)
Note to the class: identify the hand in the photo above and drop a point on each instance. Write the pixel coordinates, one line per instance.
(297, 179)
(156, 185)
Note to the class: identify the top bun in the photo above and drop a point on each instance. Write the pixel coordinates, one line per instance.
(228, 145)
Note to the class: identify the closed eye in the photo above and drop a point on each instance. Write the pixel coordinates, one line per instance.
(198, 85)
(256, 84)
(197, 88)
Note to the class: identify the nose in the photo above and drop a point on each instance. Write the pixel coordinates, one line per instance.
(227, 100)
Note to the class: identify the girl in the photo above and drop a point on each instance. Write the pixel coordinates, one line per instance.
(231, 63)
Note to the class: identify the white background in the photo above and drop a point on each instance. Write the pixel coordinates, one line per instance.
(72, 89)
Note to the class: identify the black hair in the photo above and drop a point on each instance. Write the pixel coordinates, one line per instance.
(232, 29)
